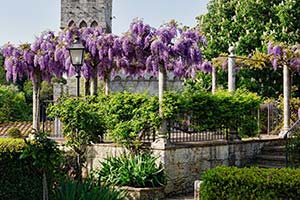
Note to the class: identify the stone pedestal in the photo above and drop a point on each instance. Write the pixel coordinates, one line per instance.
(161, 143)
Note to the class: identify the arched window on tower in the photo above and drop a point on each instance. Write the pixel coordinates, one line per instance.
(94, 24)
(71, 23)
(82, 24)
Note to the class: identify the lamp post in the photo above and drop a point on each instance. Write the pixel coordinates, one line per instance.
(76, 51)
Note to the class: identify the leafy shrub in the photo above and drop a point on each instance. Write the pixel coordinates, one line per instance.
(80, 118)
(14, 132)
(82, 125)
(129, 117)
(131, 170)
(221, 110)
(13, 106)
(87, 190)
(19, 179)
(45, 154)
(250, 183)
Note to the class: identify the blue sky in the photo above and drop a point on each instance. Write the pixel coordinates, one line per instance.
(21, 21)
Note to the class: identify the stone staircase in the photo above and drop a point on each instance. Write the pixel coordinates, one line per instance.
(272, 156)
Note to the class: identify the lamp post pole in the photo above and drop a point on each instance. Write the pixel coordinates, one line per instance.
(77, 70)
(76, 51)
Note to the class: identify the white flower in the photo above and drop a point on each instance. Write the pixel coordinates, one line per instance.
(31, 136)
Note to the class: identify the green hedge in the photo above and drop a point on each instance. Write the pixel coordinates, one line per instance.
(250, 183)
(127, 117)
(215, 111)
(13, 106)
(18, 178)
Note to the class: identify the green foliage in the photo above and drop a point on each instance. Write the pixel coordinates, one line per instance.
(82, 122)
(2, 71)
(46, 157)
(14, 132)
(19, 179)
(212, 112)
(82, 125)
(129, 117)
(87, 190)
(13, 106)
(44, 152)
(46, 92)
(248, 24)
(293, 149)
(201, 82)
(131, 170)
(294, 106)
(250, 183)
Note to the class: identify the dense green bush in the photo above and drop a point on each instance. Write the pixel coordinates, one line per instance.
(131, 170)
(129, 117)
(47, 159)
(13, 106)
(126, 117)
(87, 190)
(250, 183)
(19, 179)
(14, 132)
(82, 125)
(221, 110)
(81, 120)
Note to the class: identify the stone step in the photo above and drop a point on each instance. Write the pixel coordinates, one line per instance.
(273, 150)
(270, 165)
(280, 142)
(276, 163)
(270, 157)
(279, 148)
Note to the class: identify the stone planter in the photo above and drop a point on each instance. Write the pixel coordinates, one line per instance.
(143, 193)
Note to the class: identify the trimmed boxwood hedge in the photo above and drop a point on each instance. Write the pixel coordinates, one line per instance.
(250, 183)
(18, 178)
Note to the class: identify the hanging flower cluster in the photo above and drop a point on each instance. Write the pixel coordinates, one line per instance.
(281, 55)
(28, 59)
(142, 49)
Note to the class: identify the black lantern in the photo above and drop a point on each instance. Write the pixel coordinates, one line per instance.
(76, 51)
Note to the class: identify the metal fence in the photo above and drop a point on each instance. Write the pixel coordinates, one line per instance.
(269, 117)
(190, 130)
(183, 128)
(49, 125)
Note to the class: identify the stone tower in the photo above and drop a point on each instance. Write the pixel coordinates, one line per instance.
(86, 13)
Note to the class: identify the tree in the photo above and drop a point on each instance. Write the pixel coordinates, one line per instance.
(99, 56)
(287, 57)
(2, 71)
(13, 106)
(36, 62)
(249, 25)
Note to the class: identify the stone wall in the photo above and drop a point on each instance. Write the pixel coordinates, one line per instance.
(185, 163)
(147, 84)
(99, 152)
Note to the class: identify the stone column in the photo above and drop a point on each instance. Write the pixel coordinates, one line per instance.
(231, 70)
(214, 80)
(286, 98)
(94, 83)
(162, 86)
(162, 141)
(36, 83)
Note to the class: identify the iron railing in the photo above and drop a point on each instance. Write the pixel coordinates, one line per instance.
(51, 126)
(188, 128)
(292, 143)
